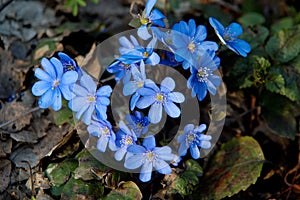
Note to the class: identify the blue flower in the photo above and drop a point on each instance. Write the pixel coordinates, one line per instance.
(68, 63)
(149, 156)
(125, 138)
(202, 77)
(128, 45)
(140, 53)
(188, 41)
(103, 130)
(229, 37)
(150, 17)
(160, 97)
(193, 138)
(122, 70)
(138, 123)
(53, 83)
(87, 99)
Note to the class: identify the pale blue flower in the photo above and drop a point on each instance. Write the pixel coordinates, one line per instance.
(103, 130)
(53, 84)
(138, 123)
(159, 98)
(148, 157)
(229, 37)
(192, 138)
(124, 138)
(88, 99)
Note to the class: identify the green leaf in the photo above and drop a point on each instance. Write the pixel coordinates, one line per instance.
(183, 182)
(75, 10)
(81, 3)
(64, 115)
(252, 19)
(283, 23)
(59, 174)
(280, 114)
(233, 168)
(285, 45)
(135, 23)
(126, 191)
(256, 35)
(87, 164)
(275, 82)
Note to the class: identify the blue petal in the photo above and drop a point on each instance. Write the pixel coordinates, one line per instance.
(192, 27)
(181, 138)
(136, 149)
(149, 5)
(46, 99)
(149, 142)
(76, 103)
(57, 103)
(103, 101)
(119, 155)
(146, 172)
(125, 43)
(219, 28)
(188, 128)
(211, 88)
(42, 75)
(40, 88)
(145, 177)
(145, 102)
(155, 113)
(215, 80)
(58, 67)
(195, 153)
(82, 109)
(124, 128)
(183, 149)
(168, 83)
(126, 77)
(209, 45)
(104, 91)
(130, 88)
(176, 97)
(65, 59)
(87, 82)
(102, 143)
(79, 90)
(153, 59)
(162, 167)
(164, 153)
(48, 67)
(87, 116)
(134, 99)
(205, 144)
(201, 128)
(171, 109)
(66, 92)
(101, 111)
(201, 33)
(156, 18)
(69, 77)
(234, 29)
(134, 161)
(143, 32)
(241, 47)
(112, 144)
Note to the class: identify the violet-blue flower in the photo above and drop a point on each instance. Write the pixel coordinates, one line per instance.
(53, 84)
(202, 77)
(103, 130)
(122, 70)
(148, 157)
(150, 17)
(188, 41)
(192, 138)
(158, 98)
(88, 99)
(138, 123)
(68, 63)
(229, 36)
(124, 138)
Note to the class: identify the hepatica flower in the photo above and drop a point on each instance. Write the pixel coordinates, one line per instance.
(103, 130)
(159, 98)
(229, 37)
(68, 63)
(150, 17)
(188, 41)
(53, 84)
(88, 99)
(122, 70)
(125, 137)
(138, 123)
(192, 138)
(148, 157)
(202, 77)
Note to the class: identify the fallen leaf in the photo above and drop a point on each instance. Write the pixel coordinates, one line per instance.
(5, 170)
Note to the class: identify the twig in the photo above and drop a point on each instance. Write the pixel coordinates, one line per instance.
(4, 5)
(19, 117)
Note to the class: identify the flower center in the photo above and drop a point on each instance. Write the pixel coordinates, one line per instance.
(144, 21)
(128, 141)
(191, 137)
(150, 156)
(203, 74)
(160, 97)
(140, 84)
(106, 131)
(92, 99)
(145, 54)
(55, 84)
(192, 47)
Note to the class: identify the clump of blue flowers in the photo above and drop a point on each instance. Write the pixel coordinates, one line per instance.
(129, 141)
